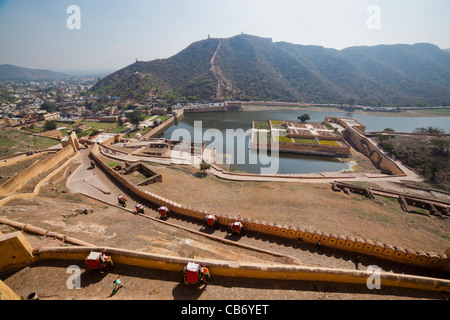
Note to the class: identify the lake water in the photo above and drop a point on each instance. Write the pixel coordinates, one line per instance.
(245, 160)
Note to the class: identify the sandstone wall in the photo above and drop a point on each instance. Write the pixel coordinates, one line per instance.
(166, 124)
(366, 147)
(205, 109)
(249, 270)
(18, 180)
(15, 251)
(24, 255)
(313, 149)
(340, 242)
(6, 293)
(355, 134)
(54, 134)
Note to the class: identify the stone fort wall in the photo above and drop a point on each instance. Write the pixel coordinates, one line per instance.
(17, 249)
(18, 180)
(332, 240)
(355, 135)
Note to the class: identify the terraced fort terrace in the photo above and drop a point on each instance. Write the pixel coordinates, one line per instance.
(320, 139)
(305, 235)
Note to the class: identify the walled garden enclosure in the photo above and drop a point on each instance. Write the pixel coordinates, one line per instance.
(296, 137)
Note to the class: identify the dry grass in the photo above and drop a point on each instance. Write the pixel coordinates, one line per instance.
(313, 206)
(13, 141)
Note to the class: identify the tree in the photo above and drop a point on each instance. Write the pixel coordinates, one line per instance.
(434, 166)
(305, 117)
(383, 137)
(94, 133)
(429, 130)
(388, 146)
(351, 101)
(172, 98)
(135, 117)
(163, 104)
(204, 166)
(50, 125)
(48, 106)
(440, 146)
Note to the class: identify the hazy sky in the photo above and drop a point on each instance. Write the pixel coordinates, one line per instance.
(114, 33)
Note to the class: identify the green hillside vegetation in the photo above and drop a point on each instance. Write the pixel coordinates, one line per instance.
(12, 141)
(91, 127)
(254, 68)
(15, 73)
(428, 155)
(186, 73)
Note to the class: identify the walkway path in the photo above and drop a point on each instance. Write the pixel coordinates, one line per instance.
(93, 182)
(323, 177)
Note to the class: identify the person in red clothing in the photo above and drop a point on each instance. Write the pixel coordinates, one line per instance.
(236, 227)
(139, 208)
(122, 201)
(196, 273)
(164, 213)
(211, 220)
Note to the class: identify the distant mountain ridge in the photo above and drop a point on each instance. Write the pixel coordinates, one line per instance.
(15, 73)
(259, 69)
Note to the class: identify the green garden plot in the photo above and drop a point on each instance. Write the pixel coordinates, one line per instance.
(264, 125)
(260, 136)
(276, 124)
(284, 139)
(328, 143)
(305, 141)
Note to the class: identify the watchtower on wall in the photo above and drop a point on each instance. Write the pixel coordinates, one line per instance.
(71, 140)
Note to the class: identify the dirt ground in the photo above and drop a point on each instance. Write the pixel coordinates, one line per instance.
(113, 227)
(8, 171)
(312, 206)
(13, 141)
(49, 281)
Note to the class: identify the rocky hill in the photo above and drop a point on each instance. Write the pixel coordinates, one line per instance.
(257, 68)
(15, 73)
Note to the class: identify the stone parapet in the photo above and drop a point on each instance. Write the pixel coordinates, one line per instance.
(249, 270)
(347, 243)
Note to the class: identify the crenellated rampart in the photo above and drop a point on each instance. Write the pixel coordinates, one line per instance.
(331, 240)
